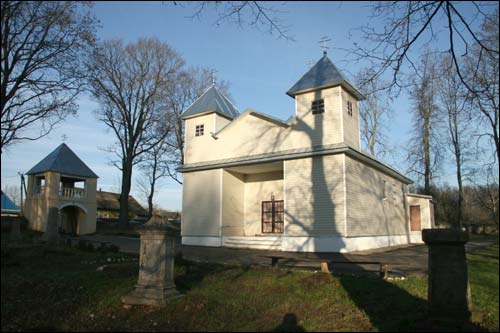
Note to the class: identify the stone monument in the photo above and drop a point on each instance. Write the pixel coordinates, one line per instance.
(448, 290)
(155, 285)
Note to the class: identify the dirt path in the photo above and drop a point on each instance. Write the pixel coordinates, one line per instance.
(403, 260)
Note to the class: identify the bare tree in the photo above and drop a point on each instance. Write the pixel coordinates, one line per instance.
(483, 70)
(374, 113)
(167, 155)
(155, 166)
(453, 99)
(43, 48)
(189, 85)
(424, 153)
(131, 85)
(252, 13)
(409, 26)
(486, 196)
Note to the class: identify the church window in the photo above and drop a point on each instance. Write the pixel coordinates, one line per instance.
(318, 106)
(349, 108)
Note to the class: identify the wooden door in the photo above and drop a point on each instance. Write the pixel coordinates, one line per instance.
(273, 217)
(415, 224)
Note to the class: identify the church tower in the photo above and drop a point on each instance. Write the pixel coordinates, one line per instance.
(326, 105)
(207, 115)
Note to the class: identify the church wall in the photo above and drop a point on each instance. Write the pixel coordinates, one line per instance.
(233, 205)
(314, 196)
(375, 201)
(201, 204)
(351, 122)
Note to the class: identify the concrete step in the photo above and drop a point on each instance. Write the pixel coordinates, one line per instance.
(257, 241)
(256, 238)
(254, 246)
(263, 243)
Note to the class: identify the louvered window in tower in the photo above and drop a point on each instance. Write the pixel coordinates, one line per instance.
(318, 106)
(200, 130)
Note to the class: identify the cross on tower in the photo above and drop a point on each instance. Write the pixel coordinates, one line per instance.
(212, 72)
(323, 41)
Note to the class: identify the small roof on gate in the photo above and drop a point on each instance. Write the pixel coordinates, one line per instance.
(65, 161)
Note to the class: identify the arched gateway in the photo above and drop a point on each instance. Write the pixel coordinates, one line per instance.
(61, 180)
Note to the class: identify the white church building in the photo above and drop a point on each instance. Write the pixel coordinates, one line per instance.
(254, 181)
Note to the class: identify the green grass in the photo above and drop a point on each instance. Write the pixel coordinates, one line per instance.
(62, 289)
(483, 275)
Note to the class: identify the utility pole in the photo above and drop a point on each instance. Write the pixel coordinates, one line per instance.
(23, 187)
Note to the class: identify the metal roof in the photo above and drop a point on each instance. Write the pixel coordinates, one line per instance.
(212, 100)
(322, 75)
(65, 161)
(8, 205)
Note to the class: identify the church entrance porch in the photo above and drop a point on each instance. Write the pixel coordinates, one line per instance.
(253, 200)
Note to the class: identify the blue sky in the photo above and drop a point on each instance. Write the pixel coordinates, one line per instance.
(259, 66)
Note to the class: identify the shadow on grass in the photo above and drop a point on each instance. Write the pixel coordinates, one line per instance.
(289, 324)
(391, 308)
(193, 273)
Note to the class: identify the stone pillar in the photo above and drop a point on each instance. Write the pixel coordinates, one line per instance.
(15, 229)
(155, 285)
(448, 290)
(51, 234)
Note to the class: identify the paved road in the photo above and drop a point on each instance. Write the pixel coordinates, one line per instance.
(403, 260)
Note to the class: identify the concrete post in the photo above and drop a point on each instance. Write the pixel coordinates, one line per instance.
(448, 290)
(155, 285)
(51, 234)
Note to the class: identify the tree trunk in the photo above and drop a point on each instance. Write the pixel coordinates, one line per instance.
(427, 155)
(150, 201)
(126, 185)
(460, 213)
(152, 181)
(180, 139)
(497, 144)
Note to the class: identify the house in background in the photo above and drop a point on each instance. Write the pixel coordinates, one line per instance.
(251, 180)
(62, 182)
(9, 208)
(171, 216)
(108, 207)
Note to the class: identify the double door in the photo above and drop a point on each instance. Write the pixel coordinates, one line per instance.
(273, 216)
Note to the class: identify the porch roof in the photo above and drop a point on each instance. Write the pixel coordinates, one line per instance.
(293, 154)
